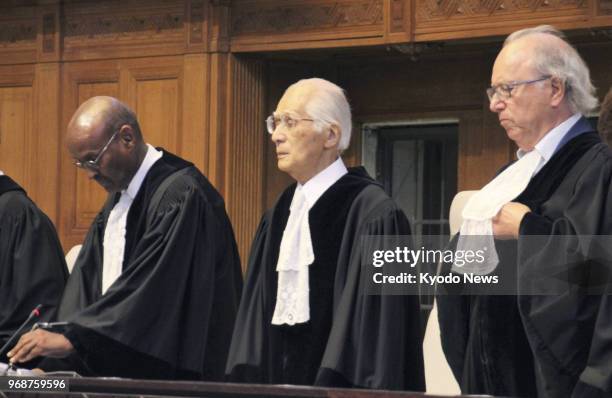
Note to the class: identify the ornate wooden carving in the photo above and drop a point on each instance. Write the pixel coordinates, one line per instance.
(113, 27)
(218, 26)
(17, 33)
(123, 28)
(48, 33)
(435, 10)
(399, 13)
(196, 14)
(280, 17)
(605, 7)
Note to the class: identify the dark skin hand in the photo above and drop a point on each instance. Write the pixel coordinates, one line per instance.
(40, 343)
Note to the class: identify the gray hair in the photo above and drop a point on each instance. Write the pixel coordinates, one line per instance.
(604, 124)
(562, 62)
(329, 105)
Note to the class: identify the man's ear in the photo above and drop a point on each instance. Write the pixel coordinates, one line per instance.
(559, 90)
(126, 135)
(333, 136)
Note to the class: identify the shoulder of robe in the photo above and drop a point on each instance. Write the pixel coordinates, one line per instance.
(15, 205)
(185, 185)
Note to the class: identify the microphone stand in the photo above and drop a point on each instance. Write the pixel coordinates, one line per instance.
(35, 313)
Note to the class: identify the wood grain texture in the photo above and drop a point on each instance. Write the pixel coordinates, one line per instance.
(245, 150)
(604, 7)
(123, 28)
(18, 30)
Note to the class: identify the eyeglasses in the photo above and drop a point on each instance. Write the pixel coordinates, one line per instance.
(504, 90)
(272, 122)
(93, 164)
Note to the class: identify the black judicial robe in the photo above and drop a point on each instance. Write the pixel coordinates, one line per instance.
(352, 339)
(571, 333)
(171, 312)
(539, 345)
(32, 266)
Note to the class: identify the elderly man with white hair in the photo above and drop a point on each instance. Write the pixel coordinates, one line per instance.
(305, 316)
(552, 339)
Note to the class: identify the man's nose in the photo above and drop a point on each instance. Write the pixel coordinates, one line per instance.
(496, 104)
(277, 135)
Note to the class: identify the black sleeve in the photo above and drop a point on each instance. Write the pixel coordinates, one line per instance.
(103, 356)
(32, 266)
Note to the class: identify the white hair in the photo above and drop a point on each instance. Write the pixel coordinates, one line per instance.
(329, 105)
(562, 62)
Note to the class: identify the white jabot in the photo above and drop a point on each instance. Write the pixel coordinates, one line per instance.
(114, 233)
(477, 228)
(296, 253)
(1, 173)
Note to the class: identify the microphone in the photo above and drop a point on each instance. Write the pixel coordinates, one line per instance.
(35, 313)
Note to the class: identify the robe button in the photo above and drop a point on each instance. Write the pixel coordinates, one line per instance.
(290, 317)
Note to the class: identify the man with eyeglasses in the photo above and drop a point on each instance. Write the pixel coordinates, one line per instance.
(155, 289)
(305, 316)
(32, 266)
(547, 340)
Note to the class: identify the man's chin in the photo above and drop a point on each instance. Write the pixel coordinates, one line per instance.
(107, 186)
(282, 165)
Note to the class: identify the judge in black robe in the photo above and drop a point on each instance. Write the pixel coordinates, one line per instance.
(352, 339)
(32, 266)
(487, 340)
(543, 342)
(170, 313)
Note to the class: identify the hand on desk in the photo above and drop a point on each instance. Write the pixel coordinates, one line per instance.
(507, 222)
(40, 343)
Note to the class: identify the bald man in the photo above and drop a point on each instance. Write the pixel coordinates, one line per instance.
(547, 341)
(306, 316)
(155, 288)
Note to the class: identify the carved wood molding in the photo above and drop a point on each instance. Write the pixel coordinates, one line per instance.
(91, 30)
(398, 15)
(604, 7)
(443, 10)
(196, 17)
(250, 18)
(19, 33)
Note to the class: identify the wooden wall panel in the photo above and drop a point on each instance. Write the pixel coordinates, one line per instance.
(46, 140)
(245, 150)
(18, 28)
(217, 111)
(153, 89)
(157, 100)
(194, 142)
(16, 110)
